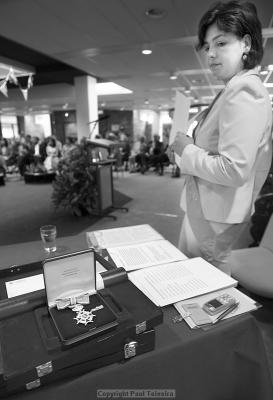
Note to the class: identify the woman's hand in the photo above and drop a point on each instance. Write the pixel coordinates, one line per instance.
(170, 154)
(180, 142)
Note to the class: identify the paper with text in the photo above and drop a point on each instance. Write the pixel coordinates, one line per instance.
(124, 235)
(170, 283)
(145, 255)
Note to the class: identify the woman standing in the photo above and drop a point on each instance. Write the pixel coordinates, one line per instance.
(227, 160)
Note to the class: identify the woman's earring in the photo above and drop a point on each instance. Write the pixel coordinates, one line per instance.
(244, 56)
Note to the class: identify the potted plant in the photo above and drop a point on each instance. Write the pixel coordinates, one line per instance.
(74, 185)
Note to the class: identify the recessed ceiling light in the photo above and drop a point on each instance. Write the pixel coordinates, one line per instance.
(146, 101)
(155, 13)
(146, 51)
(173, 76)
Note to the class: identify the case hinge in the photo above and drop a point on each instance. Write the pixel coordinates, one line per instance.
(141, 327)
(33, 384)
(44, 369)
(130, 349)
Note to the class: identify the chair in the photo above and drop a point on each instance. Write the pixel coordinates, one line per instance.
(253, 267)
(118, 166)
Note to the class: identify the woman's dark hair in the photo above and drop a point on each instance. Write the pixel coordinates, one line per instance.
(238, 18)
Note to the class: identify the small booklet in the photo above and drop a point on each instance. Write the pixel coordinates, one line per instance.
(245, 304)
(171, 282)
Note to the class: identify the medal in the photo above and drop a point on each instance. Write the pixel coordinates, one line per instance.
(83, 316)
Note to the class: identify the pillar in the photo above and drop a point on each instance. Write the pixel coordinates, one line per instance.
(86, 106)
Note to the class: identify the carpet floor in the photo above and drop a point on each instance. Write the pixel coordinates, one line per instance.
(26, 207)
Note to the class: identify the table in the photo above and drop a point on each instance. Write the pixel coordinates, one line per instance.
(226, 362)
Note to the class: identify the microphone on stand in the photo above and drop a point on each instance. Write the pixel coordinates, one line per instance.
(99, 119)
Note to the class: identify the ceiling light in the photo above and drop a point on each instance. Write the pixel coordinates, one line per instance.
(146, 51)
(155, 13)
(270, 67)
(146, 101)
(187, 91)
(173, 76)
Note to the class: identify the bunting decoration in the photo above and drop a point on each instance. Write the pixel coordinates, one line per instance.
(30, 82)
(3, 87)
(25, 93)
(13, 79)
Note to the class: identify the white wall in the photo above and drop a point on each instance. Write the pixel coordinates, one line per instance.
(38, 125)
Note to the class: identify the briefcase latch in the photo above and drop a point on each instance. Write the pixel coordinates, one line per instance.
(44, 369)
(33, 384)
(130, 349)
(141, 327)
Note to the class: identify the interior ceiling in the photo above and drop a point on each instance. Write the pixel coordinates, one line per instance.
(104, 38)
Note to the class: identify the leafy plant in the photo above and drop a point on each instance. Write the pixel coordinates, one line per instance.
(75, 182)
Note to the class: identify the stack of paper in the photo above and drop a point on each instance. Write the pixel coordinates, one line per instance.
(135, 247)
(169, 283)
(123, 236)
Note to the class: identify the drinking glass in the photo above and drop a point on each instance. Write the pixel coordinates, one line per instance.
(48, 235)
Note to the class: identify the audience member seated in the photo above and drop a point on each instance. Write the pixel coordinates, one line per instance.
(68, 146)
(52, 157)
(142, 158)
(3, 166)
(5, 148)
(125, 152)
(158, 157)
(25, 154)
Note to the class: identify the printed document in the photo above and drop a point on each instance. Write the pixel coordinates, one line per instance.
(180, 118)
(145, 255)
(123, 236)
(170, 283)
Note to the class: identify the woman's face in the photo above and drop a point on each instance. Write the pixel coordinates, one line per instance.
(224, 52)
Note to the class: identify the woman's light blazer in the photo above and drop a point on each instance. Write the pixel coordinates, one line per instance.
(232, 153)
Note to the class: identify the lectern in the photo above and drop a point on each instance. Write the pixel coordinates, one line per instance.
(104, 182)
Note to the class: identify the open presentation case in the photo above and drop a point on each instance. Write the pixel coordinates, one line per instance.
(32, 351)
(77, 309)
